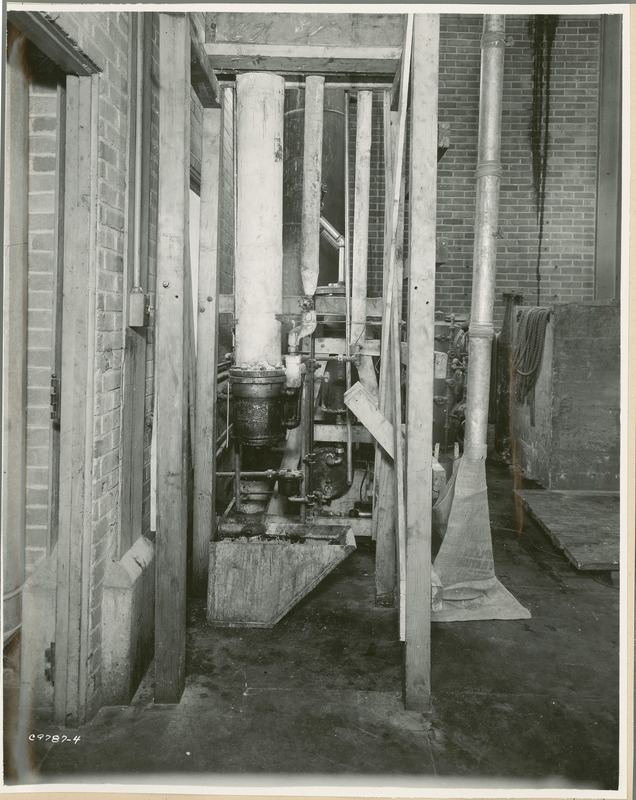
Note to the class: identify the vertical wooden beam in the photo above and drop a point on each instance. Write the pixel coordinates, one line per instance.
(384, 516)
(361, 217)
(14, 351)
(312, 183)
(421, 339)
(136, 271)
(608, 182)
(207, 349)
(77, 403)
(171, 402)
(390, 352)
(58, 296)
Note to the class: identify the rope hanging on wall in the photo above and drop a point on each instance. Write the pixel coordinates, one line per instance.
(528, 353)
(542, 30)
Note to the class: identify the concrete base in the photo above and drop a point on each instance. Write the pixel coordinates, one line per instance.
(128, 613)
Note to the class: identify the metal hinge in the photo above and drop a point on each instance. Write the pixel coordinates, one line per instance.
(49, 670)
(55, 397)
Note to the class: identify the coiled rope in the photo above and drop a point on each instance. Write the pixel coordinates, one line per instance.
(528, 353)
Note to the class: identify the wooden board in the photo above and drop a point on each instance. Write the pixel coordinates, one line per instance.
(14, 361)
(362, 404)
(254, 582)
(586, 526)
(361, 218)
(303, 29)
(327, 305)
(312, 183)
(72, 626)
(171, 401)
(322, 59)
(420, 334)
(134, 367)
(207, 351)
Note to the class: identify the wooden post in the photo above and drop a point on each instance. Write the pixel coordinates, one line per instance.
(312, 183)
(421, 338)
(207, 351)
(14, 356)
(72, 625)
(607, 267)
(171, 412)
(136, 276)
(384, 516)
(361, 217)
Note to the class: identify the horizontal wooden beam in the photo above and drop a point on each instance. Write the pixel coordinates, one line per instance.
(267, 27)
(361, 526)
(324, 305)
(338, 347)
(322, 59)
(338, 433)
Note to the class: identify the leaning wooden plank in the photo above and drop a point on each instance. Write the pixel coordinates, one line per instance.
(384, 490)
(358, 400)
(171, 405)
(421, 337)
(207, 351)
(391, 342)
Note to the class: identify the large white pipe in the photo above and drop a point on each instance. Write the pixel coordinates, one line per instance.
(258, 288)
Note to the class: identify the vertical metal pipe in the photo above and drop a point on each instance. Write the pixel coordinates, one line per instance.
(485, 246)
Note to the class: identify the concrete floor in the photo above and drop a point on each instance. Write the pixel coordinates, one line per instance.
(317, 699)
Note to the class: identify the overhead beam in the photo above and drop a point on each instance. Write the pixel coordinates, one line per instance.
(267, 27)
(321, 59)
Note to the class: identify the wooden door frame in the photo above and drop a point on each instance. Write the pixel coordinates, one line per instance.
(78, 265)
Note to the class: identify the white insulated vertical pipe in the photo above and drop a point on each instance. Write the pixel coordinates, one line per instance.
(258, 287)
(485, 245)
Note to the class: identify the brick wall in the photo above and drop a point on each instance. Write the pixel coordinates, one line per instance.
(104, 37)
(568, 246)
(43, 124)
